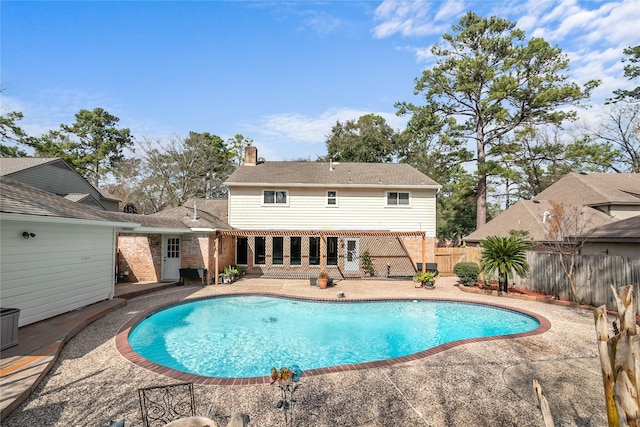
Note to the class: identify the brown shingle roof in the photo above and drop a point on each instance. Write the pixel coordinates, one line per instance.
(527, 215)
(185, 216)
(325, 174)
(216, 207)
(594, 189)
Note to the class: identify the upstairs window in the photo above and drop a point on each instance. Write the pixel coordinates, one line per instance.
(397, 199)
(332, 198)
(273, 197)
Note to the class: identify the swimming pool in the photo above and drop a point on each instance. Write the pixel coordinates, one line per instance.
(243, 336)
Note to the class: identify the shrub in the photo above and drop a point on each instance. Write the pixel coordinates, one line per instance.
(467, 272)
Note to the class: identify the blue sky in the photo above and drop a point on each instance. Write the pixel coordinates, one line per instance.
(278, 72)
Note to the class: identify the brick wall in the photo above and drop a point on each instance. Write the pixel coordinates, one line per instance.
(140, 254)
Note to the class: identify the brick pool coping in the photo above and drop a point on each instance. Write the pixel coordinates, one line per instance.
(122, 340)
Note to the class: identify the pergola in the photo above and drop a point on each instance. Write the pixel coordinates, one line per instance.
(323, 234)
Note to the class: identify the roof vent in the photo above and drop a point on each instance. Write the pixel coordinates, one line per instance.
(195, 211)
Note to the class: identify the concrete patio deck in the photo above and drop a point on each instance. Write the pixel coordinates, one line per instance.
(476, 384)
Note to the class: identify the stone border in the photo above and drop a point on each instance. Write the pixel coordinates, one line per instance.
(122, 340)
(544, 299)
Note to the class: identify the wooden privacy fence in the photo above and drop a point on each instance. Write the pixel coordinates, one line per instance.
(447, 258)
(593, 276)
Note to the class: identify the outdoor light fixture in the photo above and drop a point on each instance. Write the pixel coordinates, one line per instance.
(26, 234)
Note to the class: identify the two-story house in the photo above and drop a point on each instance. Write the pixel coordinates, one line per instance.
(292, 219)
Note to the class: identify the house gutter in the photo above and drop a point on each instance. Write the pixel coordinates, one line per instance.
(61, 220)
(332, 185)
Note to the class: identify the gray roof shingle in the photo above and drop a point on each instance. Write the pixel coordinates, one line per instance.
(10, 165)
(22, 199)
(623, 230)
(335, 174)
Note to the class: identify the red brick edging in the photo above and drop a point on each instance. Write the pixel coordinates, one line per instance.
(122, 342)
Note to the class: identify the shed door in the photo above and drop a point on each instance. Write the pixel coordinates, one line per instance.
(171, 259)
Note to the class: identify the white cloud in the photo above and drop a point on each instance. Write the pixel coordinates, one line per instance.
(409, 18)
(450, 10)
(320, 22)
(307, 133)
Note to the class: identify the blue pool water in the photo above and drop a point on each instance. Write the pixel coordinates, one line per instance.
(244, 336)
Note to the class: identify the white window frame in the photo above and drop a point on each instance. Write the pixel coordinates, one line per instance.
(275, 198)
(334, 197)
(398, 205)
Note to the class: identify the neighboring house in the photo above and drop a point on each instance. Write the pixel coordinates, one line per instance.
(57, 255)
(616, 194)
(621, 238)
(291, 219)
(600, 198)
(57, 177)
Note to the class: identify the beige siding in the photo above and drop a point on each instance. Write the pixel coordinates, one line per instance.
(624, 211)
(64, 267)
(358, 209)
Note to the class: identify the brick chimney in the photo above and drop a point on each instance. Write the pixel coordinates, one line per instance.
(250, 155)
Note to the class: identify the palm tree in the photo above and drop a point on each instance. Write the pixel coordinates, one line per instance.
(506, 256)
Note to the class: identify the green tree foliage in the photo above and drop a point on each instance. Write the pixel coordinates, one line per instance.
(632, 72)
(532, 158)
(456, 207)
(12, 134)
(442, 159)
(488, 82)
(93, 145)
(369, 140)
(172, 173)
(505, 256)
(237, 144)
(620, 131)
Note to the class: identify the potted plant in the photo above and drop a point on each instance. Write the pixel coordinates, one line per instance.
(323, 279)
(426, 279)
(229, 274)
(367, 263)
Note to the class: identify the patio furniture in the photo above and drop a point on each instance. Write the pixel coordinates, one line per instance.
(162, 404)
(193, 273)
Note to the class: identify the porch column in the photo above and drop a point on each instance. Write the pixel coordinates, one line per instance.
(323, 248)
(424, 252)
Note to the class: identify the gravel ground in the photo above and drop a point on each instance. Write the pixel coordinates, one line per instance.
(477, 384)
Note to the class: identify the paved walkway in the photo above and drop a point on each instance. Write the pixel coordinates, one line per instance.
(23, 366)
